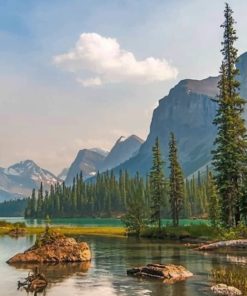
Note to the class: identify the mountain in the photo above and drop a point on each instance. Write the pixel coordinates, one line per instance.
(188, 111)
(63, 174)
(124, 149)
(100, 151)
(90, 161)
(87, 162)
(19, 179)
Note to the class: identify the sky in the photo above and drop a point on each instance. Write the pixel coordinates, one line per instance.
(81, 73)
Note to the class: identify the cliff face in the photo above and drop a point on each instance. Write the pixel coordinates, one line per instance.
(123, 150)
(188, 110)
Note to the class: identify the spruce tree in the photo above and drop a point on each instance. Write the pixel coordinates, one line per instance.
(135, 219)
(157, 185)
(229, 155)
(176, 184)
(213, 201)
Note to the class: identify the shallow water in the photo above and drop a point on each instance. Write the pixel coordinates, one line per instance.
(106, 275)
(113, 222)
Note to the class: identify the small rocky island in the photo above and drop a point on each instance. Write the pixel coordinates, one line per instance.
(53, 247)
(170, 273)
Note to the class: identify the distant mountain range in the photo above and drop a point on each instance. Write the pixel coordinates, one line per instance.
(188, 111)
(19, 179)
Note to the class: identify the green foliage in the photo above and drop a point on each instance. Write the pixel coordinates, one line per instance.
(105, 197)
(229, 156)
(157, 185)
(238, 232)
(111, 196)
(202, 231)
(213, 202)
(136, 217)
(176, 184)
(13, 208)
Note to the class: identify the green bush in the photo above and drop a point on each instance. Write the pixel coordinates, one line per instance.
(179, 232)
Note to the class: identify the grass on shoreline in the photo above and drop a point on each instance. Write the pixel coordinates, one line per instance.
(196, 231)
(110, 231)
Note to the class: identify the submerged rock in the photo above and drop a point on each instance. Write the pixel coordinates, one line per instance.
(54, 248)
(170, 273)
(224, 290)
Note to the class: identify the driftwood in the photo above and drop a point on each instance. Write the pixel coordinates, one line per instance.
(35, 282)
(237, 243)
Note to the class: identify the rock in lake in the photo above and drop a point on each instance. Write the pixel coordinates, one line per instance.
(54, 248)
(224, 290)
(170, 273)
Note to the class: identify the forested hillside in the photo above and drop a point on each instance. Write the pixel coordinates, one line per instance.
(108, 196)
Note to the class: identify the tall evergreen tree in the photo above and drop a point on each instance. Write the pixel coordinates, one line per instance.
(213, 200)
(157, 184)
(176, 184)
(230, 145)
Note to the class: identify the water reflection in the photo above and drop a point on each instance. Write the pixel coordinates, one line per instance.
(106, 275)
(56, 273)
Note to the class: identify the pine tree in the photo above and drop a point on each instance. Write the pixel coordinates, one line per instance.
(229, 155)
(135, 219)
(40, 201)
(157, 184)
(176, 184)
(213, 200)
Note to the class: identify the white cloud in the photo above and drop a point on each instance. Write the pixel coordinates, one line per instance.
(104, 61)
(90, 82)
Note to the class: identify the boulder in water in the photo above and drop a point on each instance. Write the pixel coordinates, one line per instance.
(170, 273)
(224, 290)
(54, 248)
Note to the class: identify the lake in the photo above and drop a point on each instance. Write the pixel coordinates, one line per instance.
(106, 275)
(91, 221)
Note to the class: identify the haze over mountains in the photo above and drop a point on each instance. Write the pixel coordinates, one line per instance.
(19, 179)
(90, 161)
(188, 111)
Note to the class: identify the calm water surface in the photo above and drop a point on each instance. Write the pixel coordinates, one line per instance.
(113, 222)
(106, 275)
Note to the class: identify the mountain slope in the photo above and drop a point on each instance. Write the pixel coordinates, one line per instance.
(188, 111)
(19, 179)
(87, 162)
(124, 149)
(63, 174)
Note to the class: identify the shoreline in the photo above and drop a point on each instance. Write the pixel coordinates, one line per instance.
(79, 230)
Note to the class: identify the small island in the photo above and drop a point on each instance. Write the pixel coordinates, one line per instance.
(52, 247)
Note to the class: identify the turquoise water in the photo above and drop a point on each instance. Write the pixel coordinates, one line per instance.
(91, 221)
(106, 274)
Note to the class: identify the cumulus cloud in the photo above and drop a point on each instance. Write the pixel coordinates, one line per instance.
(98, 60)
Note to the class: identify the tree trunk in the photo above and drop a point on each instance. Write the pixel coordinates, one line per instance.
(238, 243)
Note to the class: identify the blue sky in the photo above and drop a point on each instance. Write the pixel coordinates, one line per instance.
(52, 105)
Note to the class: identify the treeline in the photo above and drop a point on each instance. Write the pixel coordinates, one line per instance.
(13, 208)
(109, 196)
